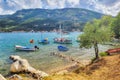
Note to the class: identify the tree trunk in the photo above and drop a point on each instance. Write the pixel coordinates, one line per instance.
(96, 50)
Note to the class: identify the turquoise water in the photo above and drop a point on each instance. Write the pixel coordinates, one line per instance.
(41, 59)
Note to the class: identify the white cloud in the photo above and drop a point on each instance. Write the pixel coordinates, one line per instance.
(74, 2)
(51, 4)
(1, 10)
(110, 10)
(111, 7)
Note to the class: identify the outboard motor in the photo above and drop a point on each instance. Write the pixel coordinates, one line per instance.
(36, 47)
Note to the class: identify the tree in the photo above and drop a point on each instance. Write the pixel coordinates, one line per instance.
(116, 26)
(95, 33)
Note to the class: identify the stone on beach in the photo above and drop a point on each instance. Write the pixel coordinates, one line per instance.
(22, 65)
(15, 77)
(1, 77)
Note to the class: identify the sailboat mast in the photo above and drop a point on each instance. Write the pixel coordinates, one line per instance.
(60, 30)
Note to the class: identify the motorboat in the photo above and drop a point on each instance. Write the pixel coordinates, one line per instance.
(62, 48)
(24, 48)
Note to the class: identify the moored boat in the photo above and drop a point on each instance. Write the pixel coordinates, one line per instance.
(44, 41)
(62, 48)
(78, 39)
(62, 41)
(24, 48)
(116, 50)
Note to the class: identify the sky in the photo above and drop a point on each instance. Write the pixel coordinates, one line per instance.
(110, 7)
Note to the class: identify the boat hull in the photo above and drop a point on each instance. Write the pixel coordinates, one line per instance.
(62, 48)
(43, 42)
(60, 41)
(23, 48)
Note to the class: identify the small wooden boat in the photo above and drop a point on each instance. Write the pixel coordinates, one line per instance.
(24, 48)
(116, 50)
(62, 48)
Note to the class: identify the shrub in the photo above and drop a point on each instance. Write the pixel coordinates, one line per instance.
(103, 54)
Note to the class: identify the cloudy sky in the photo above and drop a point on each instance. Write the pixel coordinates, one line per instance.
(111, 7)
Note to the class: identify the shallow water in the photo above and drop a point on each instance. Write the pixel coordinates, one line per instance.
(41, 59)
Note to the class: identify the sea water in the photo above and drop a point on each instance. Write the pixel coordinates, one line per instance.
(40, 59)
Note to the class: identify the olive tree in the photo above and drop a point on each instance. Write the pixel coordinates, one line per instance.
(116, 26)
(95, 33)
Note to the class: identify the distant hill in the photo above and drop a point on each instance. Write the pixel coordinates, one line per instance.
(47, 19)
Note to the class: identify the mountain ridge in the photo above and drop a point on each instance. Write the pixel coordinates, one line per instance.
(73, 17)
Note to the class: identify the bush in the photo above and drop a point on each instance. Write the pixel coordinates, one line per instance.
(103, 54)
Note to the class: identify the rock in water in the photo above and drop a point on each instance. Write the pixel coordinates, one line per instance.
(22, 65)
(1, 77)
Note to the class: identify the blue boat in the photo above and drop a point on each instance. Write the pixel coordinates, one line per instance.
(62, 48)
(44, 41)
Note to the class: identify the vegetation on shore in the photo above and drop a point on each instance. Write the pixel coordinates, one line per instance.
(95, 32)
(106, 68)
(45, 19)
(100, 31)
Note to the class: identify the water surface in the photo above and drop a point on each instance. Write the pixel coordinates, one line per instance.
(40, 59)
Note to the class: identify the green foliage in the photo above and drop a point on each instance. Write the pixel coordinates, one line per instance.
(95, 32)
(31, 20)
(107, 21)
(26, 19)
(116, 26)
(103, 54)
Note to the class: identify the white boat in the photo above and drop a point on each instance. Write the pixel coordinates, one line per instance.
(24, 48)
(62, 39)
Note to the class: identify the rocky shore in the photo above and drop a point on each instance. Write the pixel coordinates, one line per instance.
(106, 68)
(22, 66)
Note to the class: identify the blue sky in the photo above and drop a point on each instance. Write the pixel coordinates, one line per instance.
(111, 7)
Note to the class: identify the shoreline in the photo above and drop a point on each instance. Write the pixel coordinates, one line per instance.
(59, 70)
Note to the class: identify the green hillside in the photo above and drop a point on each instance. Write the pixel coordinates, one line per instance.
(47, 19)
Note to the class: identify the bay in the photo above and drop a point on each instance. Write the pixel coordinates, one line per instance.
(40, 59)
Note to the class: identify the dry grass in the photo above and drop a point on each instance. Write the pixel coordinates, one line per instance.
(107, 68)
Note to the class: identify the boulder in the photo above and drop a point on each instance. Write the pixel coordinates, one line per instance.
(1, 77)
(15, 77)
(16, 67)
(21, 65)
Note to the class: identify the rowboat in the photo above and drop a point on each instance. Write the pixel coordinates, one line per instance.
(115, 50)
(62, 48)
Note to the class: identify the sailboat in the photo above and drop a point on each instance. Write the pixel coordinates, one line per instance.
(62, 39)
(43, 41)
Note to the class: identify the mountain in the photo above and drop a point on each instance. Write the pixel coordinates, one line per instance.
(47, 19)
